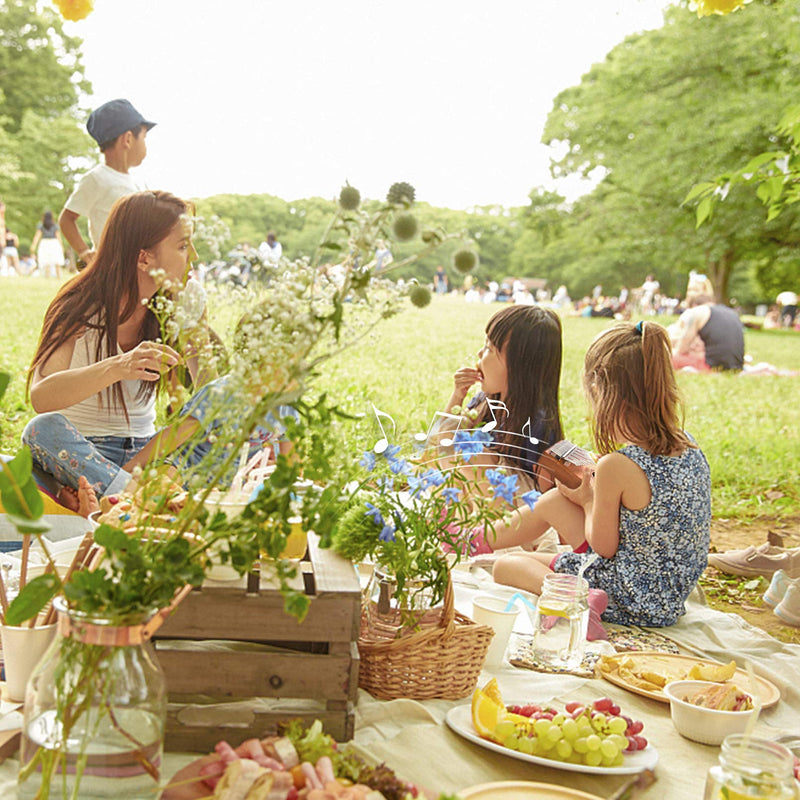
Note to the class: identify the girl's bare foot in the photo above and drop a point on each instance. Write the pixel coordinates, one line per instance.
(68, 497)
(87, 499)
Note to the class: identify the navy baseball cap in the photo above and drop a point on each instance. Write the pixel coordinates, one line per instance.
(114, 118)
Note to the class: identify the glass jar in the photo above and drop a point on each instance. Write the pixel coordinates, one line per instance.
(392, 608)
(561, 621)
(95, 710)
(751, 769)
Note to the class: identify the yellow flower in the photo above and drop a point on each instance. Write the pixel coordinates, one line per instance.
(74, 10)
(707, 7)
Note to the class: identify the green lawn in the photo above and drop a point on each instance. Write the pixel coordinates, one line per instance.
(749, 427)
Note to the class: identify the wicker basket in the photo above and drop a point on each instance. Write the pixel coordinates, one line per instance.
(441, 658)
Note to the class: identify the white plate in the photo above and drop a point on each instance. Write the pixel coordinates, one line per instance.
(460, 720)
(523, 790)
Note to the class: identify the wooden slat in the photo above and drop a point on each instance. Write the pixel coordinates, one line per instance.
(242, 674)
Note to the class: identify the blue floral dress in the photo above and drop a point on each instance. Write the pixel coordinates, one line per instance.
(663, 548)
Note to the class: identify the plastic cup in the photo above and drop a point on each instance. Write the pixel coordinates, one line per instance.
(491, 611)
(22, 649)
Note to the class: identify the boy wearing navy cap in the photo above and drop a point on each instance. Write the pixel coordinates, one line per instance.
(120, 130)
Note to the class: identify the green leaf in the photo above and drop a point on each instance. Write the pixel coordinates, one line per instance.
(760, 160)
(5, 379)
(697, 190)
(704, 210)
(19, 491)
(32, 599)
(330, 246)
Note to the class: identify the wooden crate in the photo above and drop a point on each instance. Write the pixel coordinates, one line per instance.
(313, 660)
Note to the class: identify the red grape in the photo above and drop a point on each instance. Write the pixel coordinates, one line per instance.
(572, 706)
(641, 742)
(603, 704)
(614, 710)
(634, 727)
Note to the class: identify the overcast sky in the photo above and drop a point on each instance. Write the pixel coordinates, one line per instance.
(294, 97)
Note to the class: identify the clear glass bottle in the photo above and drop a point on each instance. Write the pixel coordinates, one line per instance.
(95, 710)
(751, 769)
(561, 621)
(392, 611)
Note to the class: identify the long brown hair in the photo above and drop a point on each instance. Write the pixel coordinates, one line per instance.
(630, 383)
(91, 300)
(530, 339)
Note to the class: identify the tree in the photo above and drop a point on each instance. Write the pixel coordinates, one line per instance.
(41, 128)
(666, 109)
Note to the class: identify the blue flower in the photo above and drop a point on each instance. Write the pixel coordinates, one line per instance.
(433, 477)
(502, 485)
(451, 495)
(387, 534)
(399, 466)
(391, 452)
(531, 497)
(368, 460)
(386, 483)
(375, 513)
(416, 485)
(470, 444)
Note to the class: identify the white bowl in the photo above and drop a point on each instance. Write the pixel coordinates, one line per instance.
(704, 725)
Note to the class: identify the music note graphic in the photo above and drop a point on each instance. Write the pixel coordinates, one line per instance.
(434, 426)
(382, 444)
(493, 404)
(532, 439)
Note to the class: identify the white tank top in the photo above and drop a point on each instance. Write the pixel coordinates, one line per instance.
(93, 418)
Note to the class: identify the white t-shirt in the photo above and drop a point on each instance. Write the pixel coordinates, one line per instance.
(93, 418)
(96, 193)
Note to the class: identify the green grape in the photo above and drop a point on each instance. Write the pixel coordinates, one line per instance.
(593, 743)
(593, 758)
(618, 761)
(564, 749)
(609, 749)
(511, 742)
(553, 733)
(504, 728)
(541, 726)
(617, 725)
(559, 720)
(575, 758)
(526, 745)
(585, 729)
(570, 729)
(622, 741)
(580, 745)
(599, 722)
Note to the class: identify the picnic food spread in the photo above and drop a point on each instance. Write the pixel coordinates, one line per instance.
(299, 764)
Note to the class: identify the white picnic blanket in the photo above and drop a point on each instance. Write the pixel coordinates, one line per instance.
(412, 738)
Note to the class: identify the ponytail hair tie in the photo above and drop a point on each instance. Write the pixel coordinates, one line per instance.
(639, 327)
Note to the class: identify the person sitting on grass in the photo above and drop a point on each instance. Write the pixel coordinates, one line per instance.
(644, 509)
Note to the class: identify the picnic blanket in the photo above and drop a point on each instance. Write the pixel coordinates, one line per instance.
(412, 738)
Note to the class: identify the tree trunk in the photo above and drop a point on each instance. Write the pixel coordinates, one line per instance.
(719, 272)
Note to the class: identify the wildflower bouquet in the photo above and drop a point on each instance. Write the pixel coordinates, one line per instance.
(416, 517)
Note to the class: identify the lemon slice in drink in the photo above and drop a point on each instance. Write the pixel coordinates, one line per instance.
(554, 609)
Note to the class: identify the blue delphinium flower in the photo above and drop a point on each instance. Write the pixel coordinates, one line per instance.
(368, 460)
(400, 466)
(416, 485)
(387, 534)
(531, 497)
(502, 485)
(433, 477)
(375, 513)
(470, 444)
(451, 495)
(391, 451)
(386, 483)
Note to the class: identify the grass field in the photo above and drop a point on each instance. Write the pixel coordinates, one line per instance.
(749, 427)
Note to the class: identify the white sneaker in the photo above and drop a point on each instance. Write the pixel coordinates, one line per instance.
(789, 608)
(777, 588)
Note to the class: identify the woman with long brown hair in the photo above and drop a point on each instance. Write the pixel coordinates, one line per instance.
(96, 369)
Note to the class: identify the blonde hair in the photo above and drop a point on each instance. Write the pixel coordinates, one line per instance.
(630, 383)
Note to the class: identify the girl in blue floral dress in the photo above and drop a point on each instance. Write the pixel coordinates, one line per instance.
(645, 509)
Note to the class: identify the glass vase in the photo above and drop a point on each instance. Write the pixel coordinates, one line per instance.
(393, 608)
(95, 710)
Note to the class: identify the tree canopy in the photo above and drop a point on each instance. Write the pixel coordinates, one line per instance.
(41, 128)
(666, 109)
